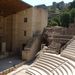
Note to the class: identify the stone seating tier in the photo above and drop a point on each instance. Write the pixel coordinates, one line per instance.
(51, 64)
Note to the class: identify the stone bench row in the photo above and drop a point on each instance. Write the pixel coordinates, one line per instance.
(51, 65)
(69, 51)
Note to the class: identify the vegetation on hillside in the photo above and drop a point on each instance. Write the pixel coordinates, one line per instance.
(65, 17)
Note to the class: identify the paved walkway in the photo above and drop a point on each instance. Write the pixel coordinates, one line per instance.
(20, 71)
(9, 62)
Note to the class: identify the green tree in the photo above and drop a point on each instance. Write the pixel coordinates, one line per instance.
(49, 22)
(65, 19)
(72, 13)
(72, 5)
(53, 23)
(57, 20)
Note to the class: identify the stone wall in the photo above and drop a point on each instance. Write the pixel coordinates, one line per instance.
(22, 28)
(71, 29)
(55, 38)
(23, 31)
(31, 49)
(17, 29)
(40, 18)
(1, 31)
(6, 31)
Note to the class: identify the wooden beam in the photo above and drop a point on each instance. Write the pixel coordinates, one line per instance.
(8, 7)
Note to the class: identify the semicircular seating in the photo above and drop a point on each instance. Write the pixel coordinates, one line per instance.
(51, 64)
(69, 51)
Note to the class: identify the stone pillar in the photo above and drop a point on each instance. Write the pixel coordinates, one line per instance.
(3, 47)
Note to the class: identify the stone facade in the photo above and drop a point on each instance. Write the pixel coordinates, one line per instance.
(17, 29)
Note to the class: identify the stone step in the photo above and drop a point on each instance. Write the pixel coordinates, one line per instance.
(63, 68)
(47, 60)
(68, 55)
(50, 66)
(69, 50)
(33, 71)
(68, 65)
(42, 70)
(71, 45)
(53, 57)
(29, 72)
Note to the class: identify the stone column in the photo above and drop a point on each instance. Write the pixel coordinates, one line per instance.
(3, 47)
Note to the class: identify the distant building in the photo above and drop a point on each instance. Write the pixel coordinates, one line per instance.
(42, 6)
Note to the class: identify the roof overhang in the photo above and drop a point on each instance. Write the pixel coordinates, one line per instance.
(8, 7)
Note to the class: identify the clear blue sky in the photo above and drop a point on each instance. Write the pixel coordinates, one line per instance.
(46, 2)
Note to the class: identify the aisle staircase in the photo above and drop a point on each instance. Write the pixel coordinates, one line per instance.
(69, 51)
(51, 64)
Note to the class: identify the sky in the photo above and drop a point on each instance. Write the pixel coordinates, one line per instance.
(46, 2)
